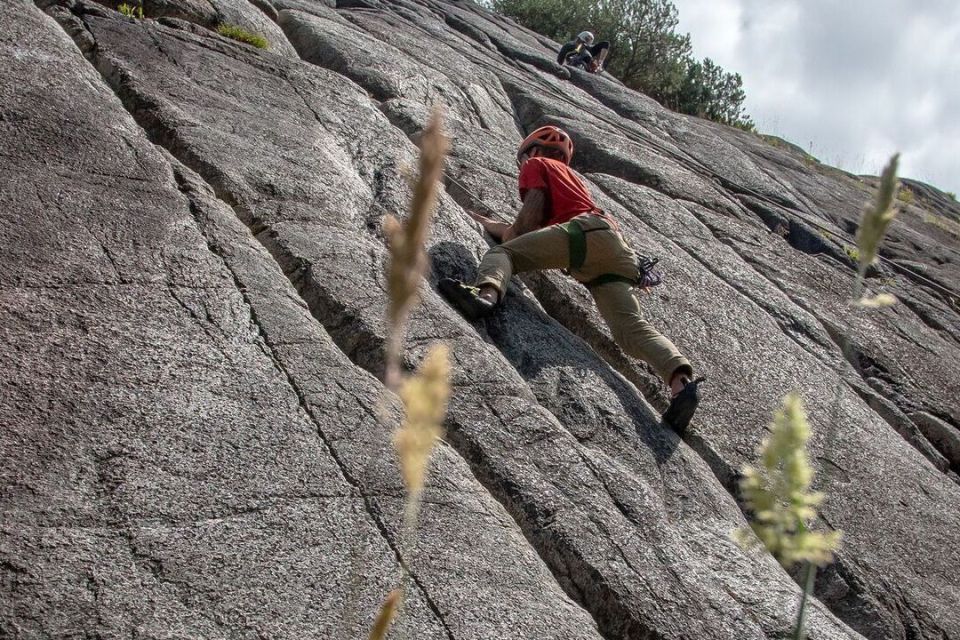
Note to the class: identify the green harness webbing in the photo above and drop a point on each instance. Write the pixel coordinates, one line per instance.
(578, 255)
(578, 244)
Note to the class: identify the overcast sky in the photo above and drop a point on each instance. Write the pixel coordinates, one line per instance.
(850, 81)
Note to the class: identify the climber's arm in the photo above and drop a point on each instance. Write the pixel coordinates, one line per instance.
(529, 219)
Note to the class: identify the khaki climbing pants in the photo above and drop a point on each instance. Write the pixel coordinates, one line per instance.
(607, 253)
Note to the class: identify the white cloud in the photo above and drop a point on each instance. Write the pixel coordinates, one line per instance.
(718, 22)
(852, 82)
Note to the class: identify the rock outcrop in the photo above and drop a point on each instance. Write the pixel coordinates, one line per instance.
(196, 443)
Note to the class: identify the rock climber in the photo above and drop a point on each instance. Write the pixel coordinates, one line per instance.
(560, 227)
(582, 52)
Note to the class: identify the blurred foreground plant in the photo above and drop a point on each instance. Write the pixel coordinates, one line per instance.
(779, 495)
(387, 611)
(873, 225)
(425, 401)
(424, 395)
(408, 258)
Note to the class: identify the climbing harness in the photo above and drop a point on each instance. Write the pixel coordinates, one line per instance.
(647, 276)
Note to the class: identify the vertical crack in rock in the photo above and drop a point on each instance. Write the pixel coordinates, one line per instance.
(863, 368)
(840, 606)
(267, 349)
(204, 322)
(922, 310)
(305, 406)
(340, 322)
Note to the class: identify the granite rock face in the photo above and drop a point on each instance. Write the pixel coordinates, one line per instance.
(196, 443)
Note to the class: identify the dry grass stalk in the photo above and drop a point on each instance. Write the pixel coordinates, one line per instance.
(387, 612)
(875, 220)
(408, 263)
(425, 394)
(425, 398)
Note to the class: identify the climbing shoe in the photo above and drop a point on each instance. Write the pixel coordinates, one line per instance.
(682, 407)
(466, 298)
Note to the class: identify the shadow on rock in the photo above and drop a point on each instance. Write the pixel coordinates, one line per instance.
(575, 384)
(452, 260)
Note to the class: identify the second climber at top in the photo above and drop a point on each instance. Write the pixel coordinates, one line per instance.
(582, 52)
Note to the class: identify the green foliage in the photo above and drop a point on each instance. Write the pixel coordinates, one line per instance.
(242, 35)
(646, 52)
(905, 195)
(852, 252)
(952, 195)
(131, 11)
(710, 92)
(779, 493)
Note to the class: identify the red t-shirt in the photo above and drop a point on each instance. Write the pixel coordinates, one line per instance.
(567, 195)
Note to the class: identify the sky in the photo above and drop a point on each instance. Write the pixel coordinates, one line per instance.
(849, 81)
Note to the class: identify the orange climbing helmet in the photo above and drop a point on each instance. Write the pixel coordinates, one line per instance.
(551, 138)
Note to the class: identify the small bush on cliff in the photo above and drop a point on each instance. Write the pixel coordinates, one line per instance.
(905, 195)
(242, 35)
(945, 224)
(131, 11)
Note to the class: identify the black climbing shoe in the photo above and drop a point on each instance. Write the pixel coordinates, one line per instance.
(683, 406)
(466, 298)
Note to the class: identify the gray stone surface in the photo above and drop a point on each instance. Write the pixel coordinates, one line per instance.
(190, 329)
(332, 255)
(945, 438)
(204, 461)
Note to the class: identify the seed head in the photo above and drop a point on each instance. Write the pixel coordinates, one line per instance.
(779, 494)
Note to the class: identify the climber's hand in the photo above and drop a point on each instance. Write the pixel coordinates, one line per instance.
(483, 220)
